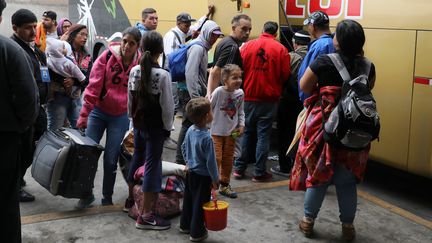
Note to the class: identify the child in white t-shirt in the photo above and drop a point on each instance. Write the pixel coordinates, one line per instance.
(227, 103)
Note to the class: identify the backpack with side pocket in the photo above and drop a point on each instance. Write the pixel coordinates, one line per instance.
(177, 62)
(354, 122)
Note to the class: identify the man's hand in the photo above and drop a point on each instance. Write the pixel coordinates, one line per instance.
(210, 12)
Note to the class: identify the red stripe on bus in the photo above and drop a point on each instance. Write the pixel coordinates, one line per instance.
(418, 80)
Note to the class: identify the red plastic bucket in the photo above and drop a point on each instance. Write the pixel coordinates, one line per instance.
(216, 215)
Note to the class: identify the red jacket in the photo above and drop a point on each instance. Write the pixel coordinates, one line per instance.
(266, 66)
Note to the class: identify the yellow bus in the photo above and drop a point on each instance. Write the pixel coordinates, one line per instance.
(398, 41)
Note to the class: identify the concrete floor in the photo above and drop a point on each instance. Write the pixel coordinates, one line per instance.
(264, 212)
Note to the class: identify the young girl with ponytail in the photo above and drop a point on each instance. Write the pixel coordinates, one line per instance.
(151, 107)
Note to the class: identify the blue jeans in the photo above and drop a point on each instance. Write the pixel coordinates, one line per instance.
(148, 147)
(116, 127)
(60, 108)
(256, 138)
(346, 191)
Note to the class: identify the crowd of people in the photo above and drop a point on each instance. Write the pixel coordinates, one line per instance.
(49, 81)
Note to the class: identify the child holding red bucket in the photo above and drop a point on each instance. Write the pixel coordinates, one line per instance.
(227, 103)
(202, 171)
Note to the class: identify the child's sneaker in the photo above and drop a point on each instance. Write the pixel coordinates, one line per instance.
(266, 177)
(198, 239)
(348, 232)
(152, 222)
(306, 226)
(85, 202)
(227, 191)
(238, 174)
(106, 201)
(128, 204)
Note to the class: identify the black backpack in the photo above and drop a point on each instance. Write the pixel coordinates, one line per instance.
(354, 122)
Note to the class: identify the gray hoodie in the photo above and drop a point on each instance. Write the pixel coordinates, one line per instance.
(197, 60)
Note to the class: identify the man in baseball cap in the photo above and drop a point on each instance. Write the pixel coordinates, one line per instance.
(172, 41)
(49, 21)
(46, 29)
(318, 28)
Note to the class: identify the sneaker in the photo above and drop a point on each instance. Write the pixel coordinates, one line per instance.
(152, 222)
(106, 201)
(84, 202)
(169, 143)
(198, 239)
(306, 226)
(276, 170)
(227, 192)
(273, 158)
(238, 174)
(128, 204)
(348, 232)
(266, 177)
(184, 231)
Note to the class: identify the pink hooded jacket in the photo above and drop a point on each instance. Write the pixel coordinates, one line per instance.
(112, 73)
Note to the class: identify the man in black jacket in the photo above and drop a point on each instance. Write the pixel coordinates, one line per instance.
(19, 102)
(24, 26)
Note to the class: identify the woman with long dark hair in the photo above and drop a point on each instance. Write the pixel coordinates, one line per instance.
(105, 106)
(63, 104)
(318, 163)
(151, 107)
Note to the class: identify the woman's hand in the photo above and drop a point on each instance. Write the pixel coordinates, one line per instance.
(68, 82)
(82, 122)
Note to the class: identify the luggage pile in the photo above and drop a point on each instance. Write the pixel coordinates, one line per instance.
(168, 202)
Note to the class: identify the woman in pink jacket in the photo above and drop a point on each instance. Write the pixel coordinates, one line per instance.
(105, 106)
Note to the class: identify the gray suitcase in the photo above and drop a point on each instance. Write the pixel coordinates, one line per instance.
(65, 162)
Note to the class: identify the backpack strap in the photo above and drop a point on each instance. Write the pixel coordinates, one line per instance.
(343, 72)
(340, 66)
(177, 36)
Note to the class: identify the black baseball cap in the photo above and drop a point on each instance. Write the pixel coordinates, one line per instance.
(317, 18)
(50, 14)
(185, 17)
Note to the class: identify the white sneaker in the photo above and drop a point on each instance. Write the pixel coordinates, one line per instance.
(170, 144)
